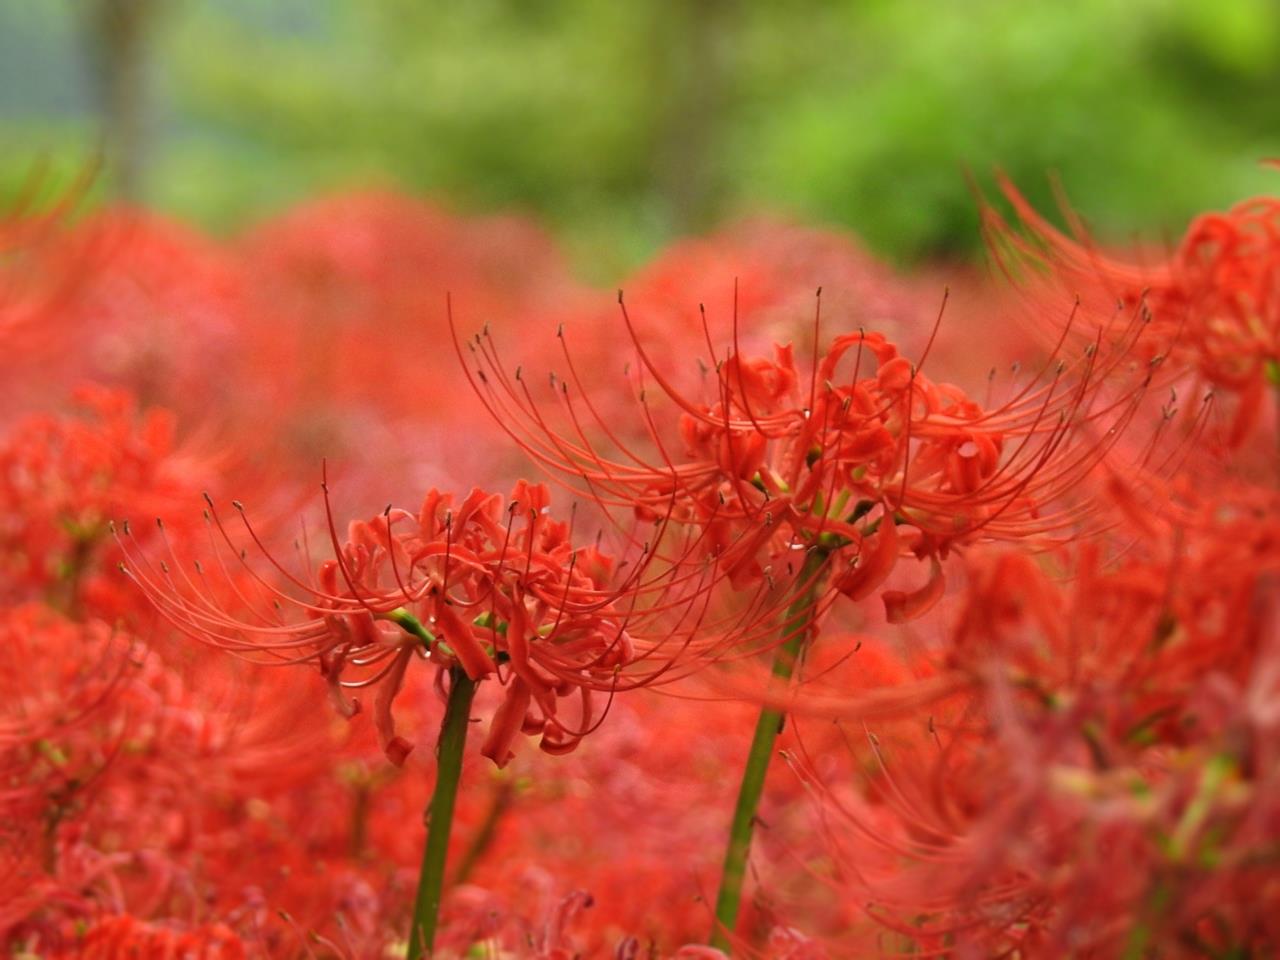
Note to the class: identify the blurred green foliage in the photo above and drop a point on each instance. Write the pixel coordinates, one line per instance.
(624, 124)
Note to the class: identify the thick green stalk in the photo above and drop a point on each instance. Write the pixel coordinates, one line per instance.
(453, 736)
(795, 629)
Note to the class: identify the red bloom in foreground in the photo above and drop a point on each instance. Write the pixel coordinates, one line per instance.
(496, 589)
(864, 459)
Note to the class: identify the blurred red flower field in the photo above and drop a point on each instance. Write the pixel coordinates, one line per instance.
(781, 605)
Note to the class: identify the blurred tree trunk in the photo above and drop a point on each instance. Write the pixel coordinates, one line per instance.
(692, 45)
(117, 36)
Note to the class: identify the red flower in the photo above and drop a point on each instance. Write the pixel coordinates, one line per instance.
(1212, 306)
(773, 465)
(63, 477)
(1129, 710)
(497, 589)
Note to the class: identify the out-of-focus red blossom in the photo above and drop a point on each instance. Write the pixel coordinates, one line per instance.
(62, 479)
(140, 303)
(1188, 603)
(1213, 305)
(100, 742)
(777, 267)
(765, 270)
(100, 739)
(60, 726)
(1110, 777)
(80, 667)
(27, 296)
(344, 321)
(788, 943)
(641, 822)
(639, 825)
(118, 938)
(355, 282)
(283, 325)
(540, 927)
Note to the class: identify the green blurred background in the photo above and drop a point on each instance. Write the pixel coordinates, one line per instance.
(621, 125)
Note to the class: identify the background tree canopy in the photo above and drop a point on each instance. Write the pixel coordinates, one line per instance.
(623, 125)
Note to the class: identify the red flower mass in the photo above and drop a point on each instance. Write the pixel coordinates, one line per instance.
(1023, 631)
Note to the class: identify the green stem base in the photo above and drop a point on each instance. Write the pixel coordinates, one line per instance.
(795, 629)
(453, 737)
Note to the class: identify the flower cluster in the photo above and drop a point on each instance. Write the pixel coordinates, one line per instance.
(1213, 302)
(1128, 713)
(494, 588)
(1051, 735)
(862, 459)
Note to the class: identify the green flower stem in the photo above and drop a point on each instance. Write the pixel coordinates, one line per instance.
(453, 736)
(795, 629)
(412, 626)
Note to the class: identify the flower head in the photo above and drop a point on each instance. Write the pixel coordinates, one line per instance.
(862, 457)
(1212, 305)
(493, 587)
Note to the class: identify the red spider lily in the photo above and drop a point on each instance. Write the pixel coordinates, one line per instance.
(1213, 305)
(1140, 634)
(1071, 754)
(100, 743)
(62, 478)
(497, 590)
(346, 285)
(771, 268)
(865, 456)
(1128, 715)
(808, 487)
(63, 721)
(128, 299)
